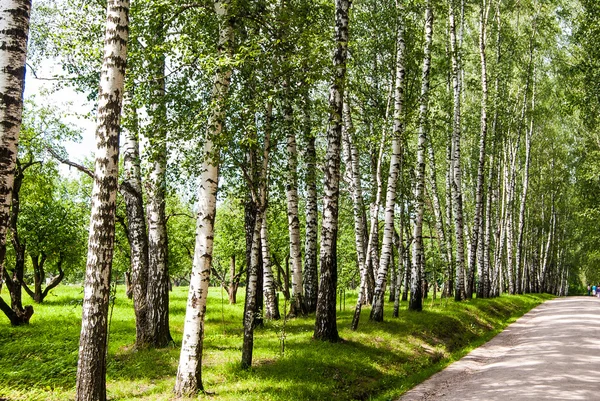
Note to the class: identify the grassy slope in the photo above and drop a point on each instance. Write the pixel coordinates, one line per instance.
(378, 362)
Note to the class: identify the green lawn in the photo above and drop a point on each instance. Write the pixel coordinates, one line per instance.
(378, 362)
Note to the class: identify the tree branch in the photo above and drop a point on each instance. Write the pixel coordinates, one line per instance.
(61, 159)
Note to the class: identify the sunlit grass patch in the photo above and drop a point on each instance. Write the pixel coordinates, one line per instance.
(378, 362)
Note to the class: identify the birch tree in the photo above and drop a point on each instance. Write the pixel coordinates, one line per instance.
(395, 162)
(457, 197)
(91, 367)
(131, 189)
(416, 296)
(189, 373)
(311, 285)
(358, 207)
(291, 192)
(158, 278)
(326, 325)
(14, 31)
(477, 219)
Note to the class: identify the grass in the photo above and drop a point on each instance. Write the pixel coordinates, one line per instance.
(378, 362)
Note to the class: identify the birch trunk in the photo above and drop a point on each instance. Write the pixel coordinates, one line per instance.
(477, 219)
(131, 189)
(438, 212)
(252, 285)
(91, 367)
(546, 254)
(360, 225)
(271, 307)
(416, 295)
(456, 168)
(189, 373)
(311, 284)
(401, 265)
(297, 306)
(483, 285)
(449, 287)
(525, 188)
(326, 325)
(14, 31)
(395, 166)
(158, 278)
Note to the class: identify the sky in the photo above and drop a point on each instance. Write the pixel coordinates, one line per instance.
(67, 99)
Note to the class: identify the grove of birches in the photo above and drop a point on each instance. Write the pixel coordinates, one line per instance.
(297, 149)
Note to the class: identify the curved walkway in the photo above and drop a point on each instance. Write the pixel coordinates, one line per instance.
(551, 353)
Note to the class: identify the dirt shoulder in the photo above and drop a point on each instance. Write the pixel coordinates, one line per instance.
(551, 353)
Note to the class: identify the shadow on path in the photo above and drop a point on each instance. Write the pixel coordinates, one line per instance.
(551, 353)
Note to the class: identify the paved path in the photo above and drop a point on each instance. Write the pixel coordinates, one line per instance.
(551, 353)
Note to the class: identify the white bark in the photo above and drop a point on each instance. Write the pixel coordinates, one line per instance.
(325, 324)
(416, 297)
(131, 189)
(14, 30)
(291, 192)
(271, 309)
(189, 372)
(91, 367)
(310, 246)
(477, 219)
(456, 168)
(360, 225)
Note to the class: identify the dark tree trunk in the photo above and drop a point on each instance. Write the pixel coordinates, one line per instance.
(131, 190)
(311, 279)
(233, 282)
(157, 295)
(15, 283)
(39, 276)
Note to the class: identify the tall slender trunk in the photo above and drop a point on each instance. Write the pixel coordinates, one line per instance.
(233, 281)
(297, 306)
(449, 287)
(251, 289)
(394, 172)
(546, 253)
(360, 225)
(500, 228)
(131, 189)
(157, 294)
(456, 168)
(311, 283)
(477, 219)
(271, 306)
(438, 212)
(189, 373)
(326, 325)
(91, 367)
(401, 265)
(483, 284)
(14, 31)
(521, 227)
(416, 295)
